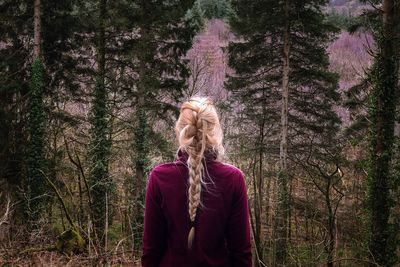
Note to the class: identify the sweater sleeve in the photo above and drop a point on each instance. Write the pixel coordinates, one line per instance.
(238, 232)
(154, 234)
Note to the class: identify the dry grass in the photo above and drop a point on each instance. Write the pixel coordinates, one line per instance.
(11, 255)
(57, 259)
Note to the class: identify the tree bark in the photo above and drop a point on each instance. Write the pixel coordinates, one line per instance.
(35, 156)
(258, 185)
(37, 30)
(101, 182)
(140, 168)
(141, 131)
(330, 248)
(382, 108)
(101, 54)
(281, 225)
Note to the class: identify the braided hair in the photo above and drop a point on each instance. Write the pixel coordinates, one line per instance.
(197, 129)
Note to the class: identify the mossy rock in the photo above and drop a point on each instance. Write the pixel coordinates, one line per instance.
(70, 241)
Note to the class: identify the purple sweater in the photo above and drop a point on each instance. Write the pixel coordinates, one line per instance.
(222, 226)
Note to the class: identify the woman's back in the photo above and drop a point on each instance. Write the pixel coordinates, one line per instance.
(196, 210)
(222, 231)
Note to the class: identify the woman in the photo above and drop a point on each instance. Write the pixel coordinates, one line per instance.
(196, 208)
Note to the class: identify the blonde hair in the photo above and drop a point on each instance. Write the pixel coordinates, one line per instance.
(198, 130)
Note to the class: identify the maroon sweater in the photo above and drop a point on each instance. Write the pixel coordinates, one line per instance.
(222, 228)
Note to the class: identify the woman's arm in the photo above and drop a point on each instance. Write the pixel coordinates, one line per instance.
(238, 232)
(154, 234)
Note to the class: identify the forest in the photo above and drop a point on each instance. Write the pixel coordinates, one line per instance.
(308, 96)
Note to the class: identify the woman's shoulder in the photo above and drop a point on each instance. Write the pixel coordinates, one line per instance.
(166, 169)
(232, 167)
(237, 180)
(231, 170)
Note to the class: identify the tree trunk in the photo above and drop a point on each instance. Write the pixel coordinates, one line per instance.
(35, 157)
(282, 223)
(258, 197)
(141, 115)
(141, 132)
(101, 54)
(37, 30)
(330, 247)
(101, 182)
(381, 136)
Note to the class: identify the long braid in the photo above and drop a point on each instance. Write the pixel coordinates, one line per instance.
(195, 130)
(195, 163)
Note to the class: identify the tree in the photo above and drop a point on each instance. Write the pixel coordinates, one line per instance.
(283, 208)
(200, 77)
(282, 51)
(36, 182)
(147, 72)
(375, 126)
(382, 108)
(101, 183)
(219, 9)
(195, 15)
(324, 168)
(254, 143)
(141, 165)
(59, 81)
(165, 37)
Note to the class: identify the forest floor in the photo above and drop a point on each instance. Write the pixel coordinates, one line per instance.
(45, 258)
(11, 255)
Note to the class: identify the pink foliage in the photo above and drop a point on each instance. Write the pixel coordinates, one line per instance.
(208, 61)
(350, 57)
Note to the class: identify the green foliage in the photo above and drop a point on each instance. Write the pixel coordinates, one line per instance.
(195, 16)
(257, 64)
(382, 109)
(70, 241)
(141, 143)
(101, 184)
(256, 85)
(151, 65)
(341, 20)
(35, 157)
(142, 166)
(148, 40)
(208, 9)
(59, 38)
(164, 145)
(219, 9)
(376, 128)
(114, 235)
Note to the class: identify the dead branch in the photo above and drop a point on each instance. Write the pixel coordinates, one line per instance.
(4, 218)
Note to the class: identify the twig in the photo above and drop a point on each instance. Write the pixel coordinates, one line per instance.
(106, 225)
(119, 243)
(5, 216)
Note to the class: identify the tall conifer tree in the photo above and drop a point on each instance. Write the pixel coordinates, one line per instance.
(384, 78)
(101, 184)
(376, 128)
(156, 58)
(282, 52)
(36, 182)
